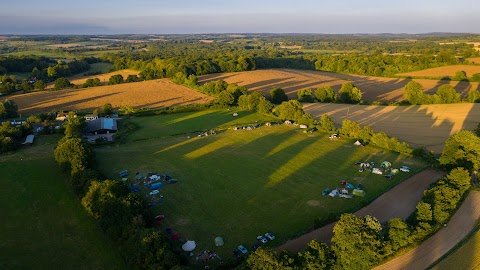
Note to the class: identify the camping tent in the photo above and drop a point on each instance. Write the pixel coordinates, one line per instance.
(358, 192)
(218, 241)
(386, 164)
(357, 143)
(189, 246)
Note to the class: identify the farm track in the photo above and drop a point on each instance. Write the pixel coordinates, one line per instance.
(399, 202)
(459, 226)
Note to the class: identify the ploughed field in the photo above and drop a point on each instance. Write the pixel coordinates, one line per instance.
(239, 184)
(444, 71)
(421, 125)
(147, 94)
(373, 88)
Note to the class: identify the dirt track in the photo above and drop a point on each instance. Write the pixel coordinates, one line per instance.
(436, 246)
(400, 202)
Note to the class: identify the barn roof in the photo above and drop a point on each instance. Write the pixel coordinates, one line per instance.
(102, 123)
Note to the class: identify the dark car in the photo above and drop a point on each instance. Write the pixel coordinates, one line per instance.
(255, 246)
(389, 176)
(237, 253)
(325, 191)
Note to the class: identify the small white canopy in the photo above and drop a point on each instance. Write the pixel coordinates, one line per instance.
(357, 143)
(189, 246)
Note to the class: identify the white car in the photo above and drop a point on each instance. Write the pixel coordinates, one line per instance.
(405, 169)
(154, 192)
(262, 239)
(270, 236)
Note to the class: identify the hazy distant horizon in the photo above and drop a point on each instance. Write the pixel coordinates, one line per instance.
(108, 17)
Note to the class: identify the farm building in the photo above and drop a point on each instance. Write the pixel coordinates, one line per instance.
(101, 126)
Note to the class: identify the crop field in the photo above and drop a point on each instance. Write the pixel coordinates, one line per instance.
(43, 223)
(466, 257)
(148, 94)
(242, 183)
(373, 88)
(422, 125)
(101, 67)
(443, 71)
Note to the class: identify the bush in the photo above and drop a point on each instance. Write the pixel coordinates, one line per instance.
(62, 83)
(277, 96)
(115, 79)
(349, 94)
(305, 95)
(325, 94)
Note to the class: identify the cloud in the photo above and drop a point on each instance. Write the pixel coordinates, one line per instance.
(49, 25)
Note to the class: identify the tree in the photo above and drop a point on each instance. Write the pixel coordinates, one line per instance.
(460, 75)
(462, 150)
(349, 93)
(448, 94)
(226, 98)
(265, 106)
(266, 259)
(127, 109)
(325, 94)
(99, 196)
(289, 110)
(251, 101)
(34, 119)
(115, 79)
(473, 95)
(424, 212)
(475, 77)
(305, 95)
(74, 126)
(106, 109)
(61, 83)
(351, 129)
(356, 242)
(326, 123)
(398, 233)
(277, 96)
(40, 85)
(413, 93)
(132, 78)
(317, 255)
(8, 109)
(460, 179)
(73, 154)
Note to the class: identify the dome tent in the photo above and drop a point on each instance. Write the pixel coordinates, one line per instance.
(218, 241)
(189, 246)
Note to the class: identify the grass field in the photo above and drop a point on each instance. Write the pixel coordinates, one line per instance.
(373, 88)
(150, 94)
(425, 125)
(466, 257)
(443, 71)
(240, 184)
(43, 224)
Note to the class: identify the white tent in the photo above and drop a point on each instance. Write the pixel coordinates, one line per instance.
(357, 143)
(189, 246)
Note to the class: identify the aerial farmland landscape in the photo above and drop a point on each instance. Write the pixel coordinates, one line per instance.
(249, 135)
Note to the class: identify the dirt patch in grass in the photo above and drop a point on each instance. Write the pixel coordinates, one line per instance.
(148, 94)
(314, 203)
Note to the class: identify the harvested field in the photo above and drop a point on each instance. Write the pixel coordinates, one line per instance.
(443, 71)
(80, 79)
(421, 125)
(474, 60)
(459, 226)
(150, 94)
(373, 88)
(465, 257)
(66, 45)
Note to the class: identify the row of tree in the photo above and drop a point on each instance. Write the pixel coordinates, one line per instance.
(123, 216)
(414, 94)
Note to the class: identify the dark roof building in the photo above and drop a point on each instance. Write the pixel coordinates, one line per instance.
(101, 126)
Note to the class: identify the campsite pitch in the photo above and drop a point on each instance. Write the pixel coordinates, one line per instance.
(239, 184)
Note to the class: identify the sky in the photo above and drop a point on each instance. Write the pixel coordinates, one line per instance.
(239, 16)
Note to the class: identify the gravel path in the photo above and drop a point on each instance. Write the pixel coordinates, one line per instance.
(424, 255)
(400, 202)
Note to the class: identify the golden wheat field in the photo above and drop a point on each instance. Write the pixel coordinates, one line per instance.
(422, 125)
(466, 257)
(443, 71)
(150, 94)
(373, 88)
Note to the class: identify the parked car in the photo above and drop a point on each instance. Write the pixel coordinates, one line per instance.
(333, 136)
(325, 191)
(156, 191)
(255, 246)
(262, 239)
(242, 249)
(237, 253)
(270, 236)
(389, 176)
(358, 163)
(405, 169)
